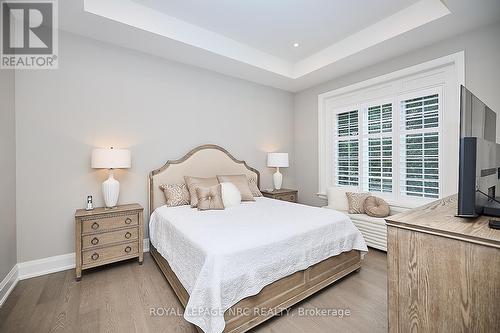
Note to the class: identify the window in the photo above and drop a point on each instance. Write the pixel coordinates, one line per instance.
(377, 149)
(390, 147)
(347, 151)
(420, 146)
(396, 135)
(379, 119)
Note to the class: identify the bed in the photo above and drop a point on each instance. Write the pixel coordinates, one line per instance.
(235, 268)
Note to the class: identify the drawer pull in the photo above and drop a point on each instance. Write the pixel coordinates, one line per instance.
(95, 225)
(128, 220)
(128, 249)
(95, 256)
(128, 235)
(95, 241)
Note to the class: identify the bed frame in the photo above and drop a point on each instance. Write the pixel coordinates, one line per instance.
(208, 161)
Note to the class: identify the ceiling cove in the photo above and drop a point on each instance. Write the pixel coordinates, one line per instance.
(151, 16)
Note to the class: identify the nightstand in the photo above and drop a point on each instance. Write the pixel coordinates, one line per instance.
(282, 194)
(107, 235)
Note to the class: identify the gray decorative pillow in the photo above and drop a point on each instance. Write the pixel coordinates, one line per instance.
(241, 182)
(193, 182)
(376, 207)
(356, 202)
(210, 197)
(252, 183)
(176, 194)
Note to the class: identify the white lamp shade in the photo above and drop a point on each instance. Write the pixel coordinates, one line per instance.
(110, 158)
(277, 160)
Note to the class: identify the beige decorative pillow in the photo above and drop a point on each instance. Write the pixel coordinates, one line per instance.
(176, 194)
(376, 207)
(193, 182)
(241, 182)
(209, 197)
(252, 183)
(356, 202)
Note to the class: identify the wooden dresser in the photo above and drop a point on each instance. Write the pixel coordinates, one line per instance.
(443, 271)
(282, 194)
(103, 236)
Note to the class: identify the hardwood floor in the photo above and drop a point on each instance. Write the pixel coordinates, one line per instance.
(120, 298)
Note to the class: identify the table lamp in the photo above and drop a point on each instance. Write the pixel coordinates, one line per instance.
(104, 158)
(277, 160)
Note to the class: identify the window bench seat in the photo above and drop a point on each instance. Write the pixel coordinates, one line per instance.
(373, 229)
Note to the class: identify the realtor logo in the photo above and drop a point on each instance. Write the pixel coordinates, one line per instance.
(29, 34)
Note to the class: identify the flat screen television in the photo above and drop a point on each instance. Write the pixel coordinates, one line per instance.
(479, 168)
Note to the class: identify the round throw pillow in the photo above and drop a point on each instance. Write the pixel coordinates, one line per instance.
(376, 207)
(231, 196)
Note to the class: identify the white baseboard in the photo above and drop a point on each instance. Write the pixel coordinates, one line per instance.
(33, 268)
(39, 267)
(8, 284)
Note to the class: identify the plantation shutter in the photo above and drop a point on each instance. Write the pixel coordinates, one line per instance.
(419, 169)
(377, 148)
(347, 147)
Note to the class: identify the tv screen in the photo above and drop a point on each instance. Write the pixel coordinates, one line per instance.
(479, 169)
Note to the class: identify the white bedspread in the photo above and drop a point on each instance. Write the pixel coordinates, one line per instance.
(221, 257)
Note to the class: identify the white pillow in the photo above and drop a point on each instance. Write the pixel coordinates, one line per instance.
(231, 196)
(337, 198)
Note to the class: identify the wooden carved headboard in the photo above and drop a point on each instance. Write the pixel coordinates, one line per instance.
(202, 161)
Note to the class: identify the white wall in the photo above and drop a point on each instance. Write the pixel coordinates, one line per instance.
(482, 76)
(8, 256)
(104, 95)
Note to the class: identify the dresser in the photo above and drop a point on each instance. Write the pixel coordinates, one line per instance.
(282, 194)
(443, 271)
(104, 236)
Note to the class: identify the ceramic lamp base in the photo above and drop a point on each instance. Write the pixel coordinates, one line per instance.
(110, 191)
(277, 179)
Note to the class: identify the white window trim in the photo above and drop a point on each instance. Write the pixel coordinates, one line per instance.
(448, 69)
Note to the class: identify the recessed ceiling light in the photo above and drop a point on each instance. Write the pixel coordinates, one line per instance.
(296, 44)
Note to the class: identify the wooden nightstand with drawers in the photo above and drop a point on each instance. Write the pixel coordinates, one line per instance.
(282, 194)
(104, 236)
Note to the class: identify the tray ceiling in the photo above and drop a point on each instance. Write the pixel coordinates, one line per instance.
(254, 39)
